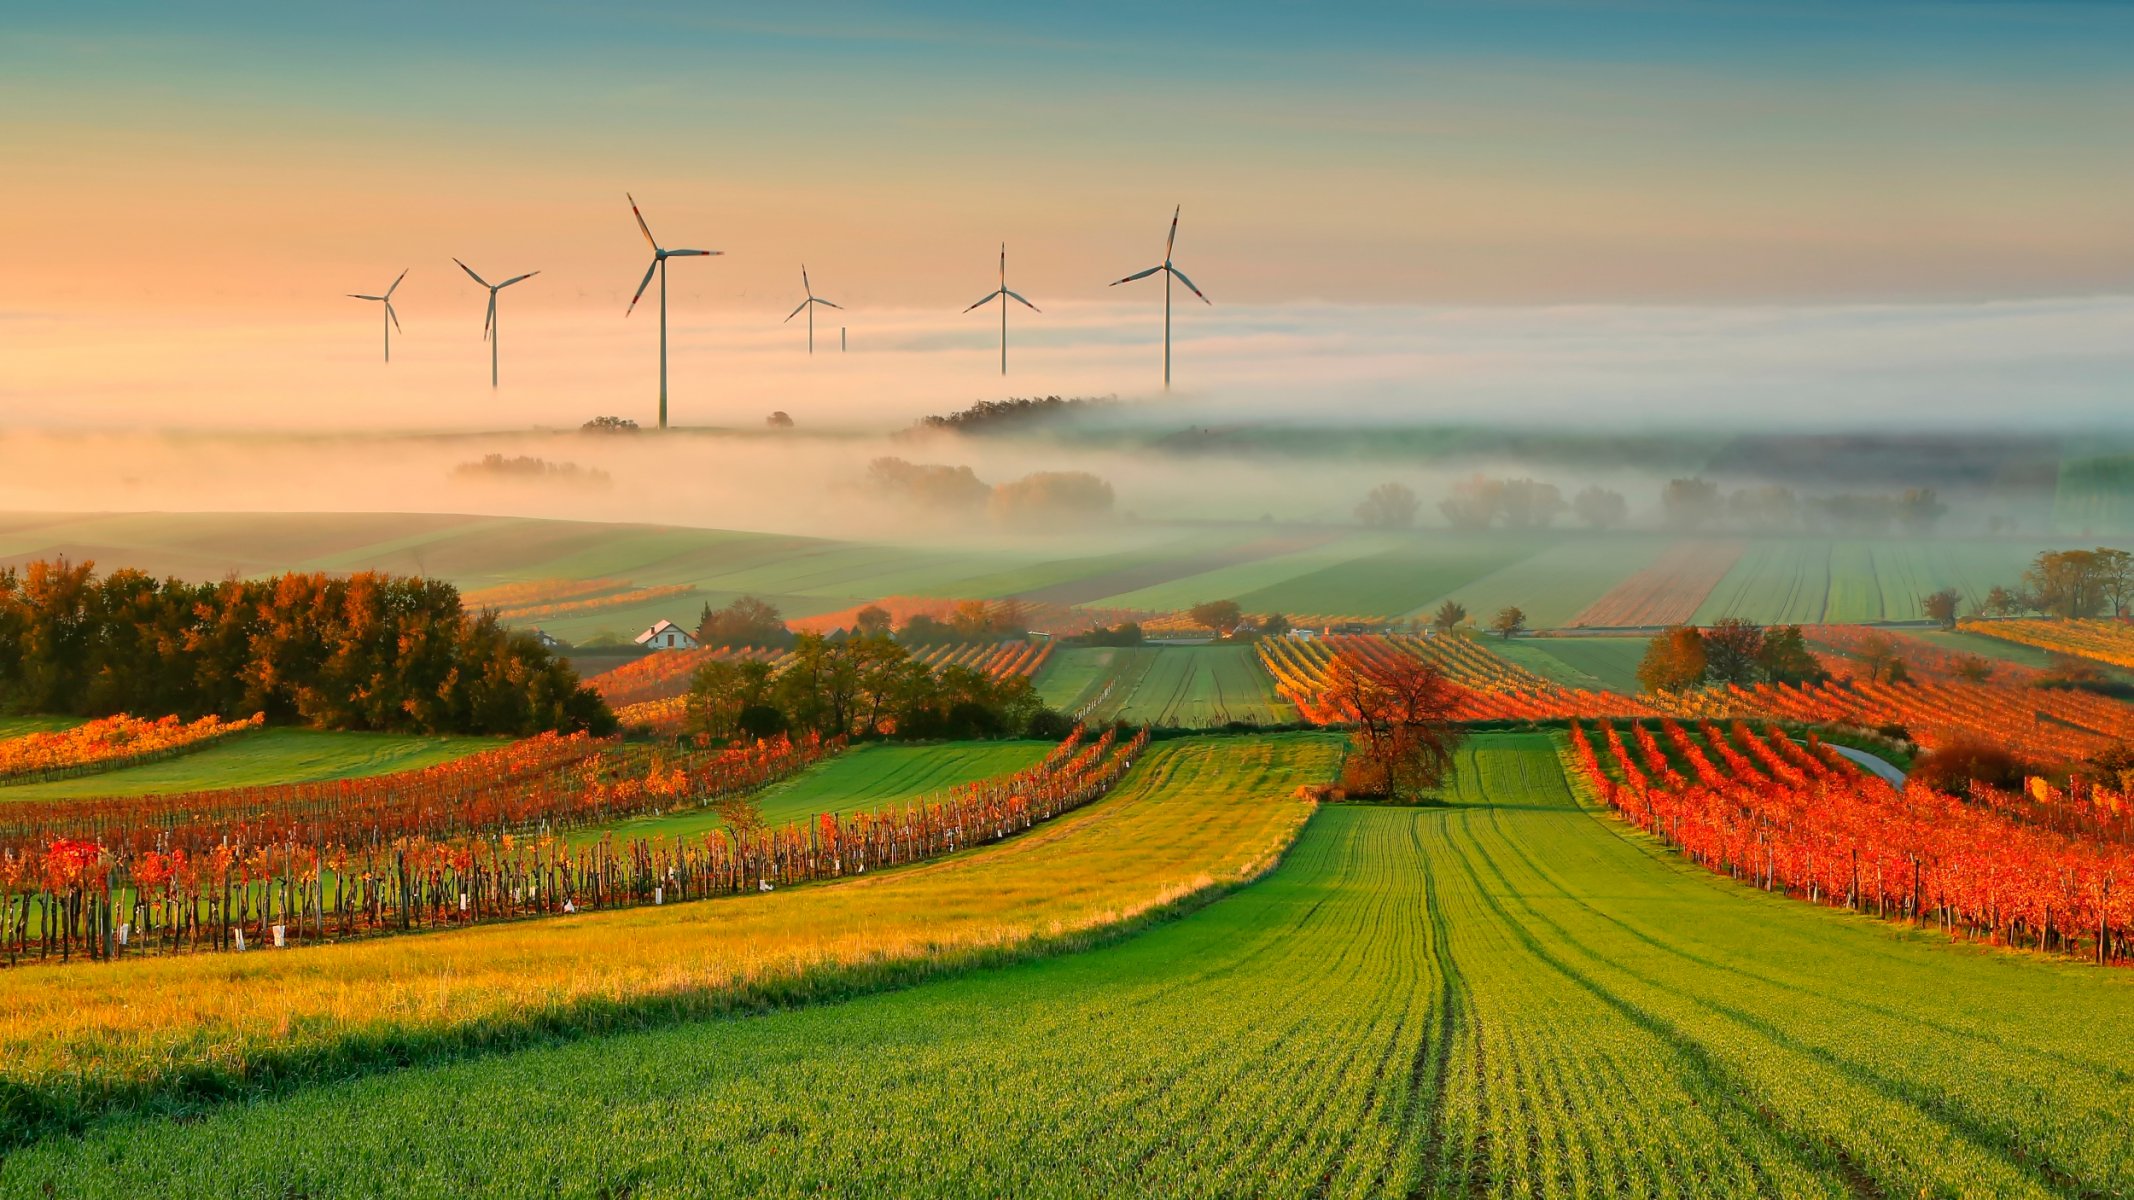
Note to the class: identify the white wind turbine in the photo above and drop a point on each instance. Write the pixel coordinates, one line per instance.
(1004, 296)
(1169, 272)
(659, 264)
(809, 306)
(392, 320)
(489, 323)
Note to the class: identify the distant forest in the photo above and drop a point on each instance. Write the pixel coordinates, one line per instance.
(366, 651)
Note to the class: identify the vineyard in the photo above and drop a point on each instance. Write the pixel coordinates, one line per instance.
(82, 897)
(109, 743)
(1921, 658)
(2104, 641)
(1490, 687)
(2034, 869)
(1184, 686)
(1503, 995)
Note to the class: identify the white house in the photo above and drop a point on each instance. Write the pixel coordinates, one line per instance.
(547, 639)
(667, 636)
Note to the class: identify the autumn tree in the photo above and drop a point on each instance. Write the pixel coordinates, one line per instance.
(1222, 616)
(1275, 625)
(2001, 602)
(1674, 660)
(1971, 668)
(1388, 506)
(1733, 651)
(1052, 498)
(1601, 508)
(2078, 583)
(1449, 616)
(1880, 657)
(1940, 607)
(723, 697)
(937, 486)
(1404, 736)
(747, 621)
(1509, 622)
(871, 621)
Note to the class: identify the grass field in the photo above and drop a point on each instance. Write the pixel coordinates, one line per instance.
(18, 726)
(1608, 663)
(1399, 579)
(1552, 586)
(1816, 580)
(1162, 685)
(1189, 817)
(263, 757)
(866, 778)
(1507, 995)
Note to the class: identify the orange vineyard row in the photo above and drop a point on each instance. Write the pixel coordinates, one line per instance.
(108, 743)
(1491, 688)
(2105, 641)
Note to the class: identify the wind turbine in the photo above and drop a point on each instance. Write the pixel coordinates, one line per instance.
(809, 304)
(392, 320)
(1169, 272)
(1005, 295)
(489, 323)
(659, 263)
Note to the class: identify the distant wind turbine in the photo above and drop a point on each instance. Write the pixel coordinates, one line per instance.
(659, 264)
(1169, 272)
(1004, 295)
(489, 325)
(809, 305)
(392, 321)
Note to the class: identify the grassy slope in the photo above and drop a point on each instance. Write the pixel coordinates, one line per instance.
(1609, 663)
(1190, 815)
(1508, 995)
(268, 756)
(866, 778)
(17, 726)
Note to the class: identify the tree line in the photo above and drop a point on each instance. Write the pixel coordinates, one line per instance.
(865, 686)
(1690, 504)
(367, 651)
(1732, 650)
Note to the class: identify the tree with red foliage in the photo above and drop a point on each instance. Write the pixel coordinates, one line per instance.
(1404, 734)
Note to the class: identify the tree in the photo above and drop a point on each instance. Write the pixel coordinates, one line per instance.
(1275, 625)
(745, 622)
(2069, 583)
(1448, 616)
(1785, 657)
(1528, 503)
(1473, 503)
(1690, 503)
(2000, 602)
(1953, 768)
(2115, 578)
(1052, 497)
(1733, 651)
(1510, 620)
(1222, 616)
(1879, 655)
(928, 485)
(1971, 668)
(609, 425)
(778, 420)
(871, 621)
(721, 691)
(1674, 660)
(1940, 607)
(1600, 508)
(1404, 735)
(1388, 506)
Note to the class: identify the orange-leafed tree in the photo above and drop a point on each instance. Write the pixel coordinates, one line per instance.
(1404, 735)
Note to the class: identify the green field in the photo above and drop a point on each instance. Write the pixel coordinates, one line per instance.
(1555, 585)
(866, 778)
(1399, 579)
(1606, 663)
(1196, 686)
(1506, 995)
(1816, 580)
(267, 756)
(11, 727)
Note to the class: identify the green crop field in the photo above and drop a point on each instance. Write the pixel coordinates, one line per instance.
(1607, 663)
(264, 757)
(1554, 585)
(1505, 995)
(1251, 577)
(1400, 579)
(866, 778)
(1163, 685)
(1812, 580)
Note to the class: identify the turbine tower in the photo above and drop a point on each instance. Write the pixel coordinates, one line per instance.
(392, 320)
(489, 324)
(809, 305)
(1169, 272)
(1004, 296)
(659, 264)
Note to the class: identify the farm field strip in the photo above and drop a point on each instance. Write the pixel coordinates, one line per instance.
(1192, 686)
(2104, 641)
(1667, 591)
(1190, 816)
(264, 758)
(109, 744)
(1260, 574)
(1490, 686)
(1555, 585)
(1398, 579)
(1609, 663)
(1498, 996)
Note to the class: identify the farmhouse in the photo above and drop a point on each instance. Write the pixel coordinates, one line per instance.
(547, 639)
(667, 635)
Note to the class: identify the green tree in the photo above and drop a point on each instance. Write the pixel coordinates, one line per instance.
(1733, 651)
(1785, 657)
(1222, 616)
(1509, 621)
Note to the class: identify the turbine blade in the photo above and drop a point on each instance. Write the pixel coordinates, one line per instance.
(1181, 277)
(489, 318)
(825, 303)
(803, 307)
(988, 297)
(360, 296)
(696, 253)
(647, 282)
(1136, 275)
(805, 286)
(1026, 303)
(396, 283)
(390, 313)
(470, 273)
(1173, 239)
(642, 227)
(514, 279)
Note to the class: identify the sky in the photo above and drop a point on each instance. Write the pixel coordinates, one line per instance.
(1869, 212)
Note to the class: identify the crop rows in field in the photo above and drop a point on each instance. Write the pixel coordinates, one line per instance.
(1496, 996)
(1192, 686)
(663, 674)
(1490, 687)
(1667, 591)
(1922, 658)
(2104, 641)
(994, 660)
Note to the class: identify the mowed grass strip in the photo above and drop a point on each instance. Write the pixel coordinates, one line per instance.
(1506, 995)
(870, 777)
(1190, 817)
(268, 756)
